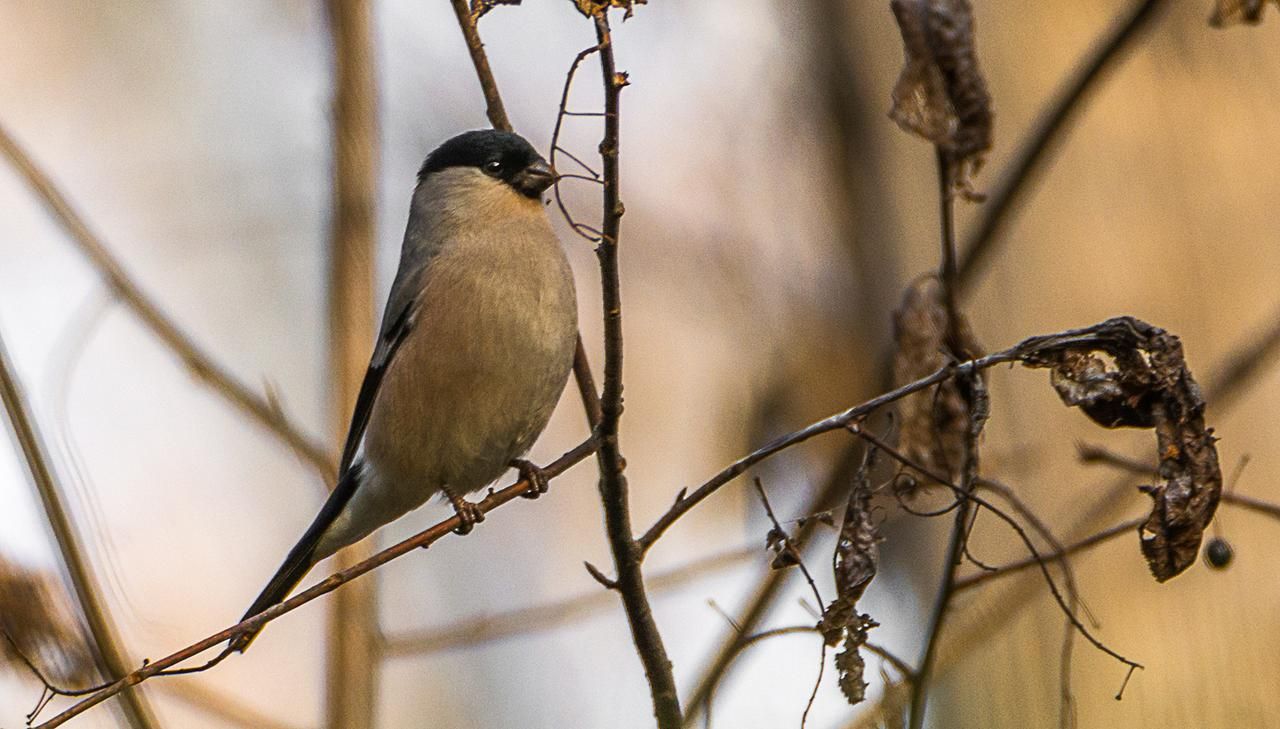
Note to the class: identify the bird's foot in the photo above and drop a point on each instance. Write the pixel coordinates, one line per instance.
(536, 477)
(469, 514)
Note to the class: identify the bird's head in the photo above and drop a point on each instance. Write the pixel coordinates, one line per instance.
(502, 157)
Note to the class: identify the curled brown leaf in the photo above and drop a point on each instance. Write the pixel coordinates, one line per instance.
(1127, 373)
(941, 94)
(856, 559)
(934, 423)
(592, 8)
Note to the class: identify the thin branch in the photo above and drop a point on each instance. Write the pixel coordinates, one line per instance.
(325, 586)
(685, 501)
(497, 113)
(1126, 527)
(494, 108)
(1035, 150)
(198, 362)
(1091, 453)
(627, 555)
(793, 553)
(770, 587)
(108, 651)
(1249, 360)
(590, 234)
(957, 544)
(1037, 558)
(474, 631)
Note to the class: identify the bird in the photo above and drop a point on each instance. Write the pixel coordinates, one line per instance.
(476, 344)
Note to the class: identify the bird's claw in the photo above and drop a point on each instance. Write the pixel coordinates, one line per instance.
(536, 477)
(469, 514)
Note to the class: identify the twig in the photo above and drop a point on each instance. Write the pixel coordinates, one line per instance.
(1035, 150)
(1224, 393)
(494, 107)
(1037, 558)
(108, 652)
(467, 633)
(585, 231)
(497, 113)
(1125, 527)
(686, 501)
(789, 548)
(770, 587)
(199, 363)
(325, 586)
(627, 555)
(351, 661)
(957, 544)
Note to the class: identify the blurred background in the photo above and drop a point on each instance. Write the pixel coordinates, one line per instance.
(774, 216)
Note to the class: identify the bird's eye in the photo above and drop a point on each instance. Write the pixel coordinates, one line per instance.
(493, 167)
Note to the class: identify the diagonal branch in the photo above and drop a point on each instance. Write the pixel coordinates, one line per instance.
(497, 113)
(329, 584)
(107, 649)
(199, 363)
(1037, 148)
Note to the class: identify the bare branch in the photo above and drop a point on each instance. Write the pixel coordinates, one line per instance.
(329, 584)
(1036, 149)
(627, 555)
(108, 651)
(497, 113)
(198, 362)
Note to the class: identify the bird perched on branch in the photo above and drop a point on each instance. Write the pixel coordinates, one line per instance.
(476, 345)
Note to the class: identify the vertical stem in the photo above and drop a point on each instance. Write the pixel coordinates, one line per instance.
(948, 274)
(352, 661)
(497, 113)
(106, 648)
(613, 483)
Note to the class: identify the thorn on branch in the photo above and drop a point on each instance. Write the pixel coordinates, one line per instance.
(598, 576)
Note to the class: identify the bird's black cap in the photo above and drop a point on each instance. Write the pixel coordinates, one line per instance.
(504, 155)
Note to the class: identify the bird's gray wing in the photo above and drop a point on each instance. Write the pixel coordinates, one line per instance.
(394, 330)
(402, 306)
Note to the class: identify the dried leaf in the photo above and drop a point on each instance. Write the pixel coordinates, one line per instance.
(784, 554)
(33, 617)
(855, 561)
(1229, 12)
(592, 8)
(935, 422)
(1146, 384)
(849, 661)
(941, 95)
(480, 7)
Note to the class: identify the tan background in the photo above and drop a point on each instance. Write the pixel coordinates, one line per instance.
(193, 135)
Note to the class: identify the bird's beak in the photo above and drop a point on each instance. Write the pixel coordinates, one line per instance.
(535, 178)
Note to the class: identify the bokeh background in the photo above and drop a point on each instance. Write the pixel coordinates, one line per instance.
(774, 214)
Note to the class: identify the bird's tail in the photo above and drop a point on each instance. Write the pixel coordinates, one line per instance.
(301, 558)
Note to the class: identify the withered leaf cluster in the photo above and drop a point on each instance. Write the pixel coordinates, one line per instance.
(1229, 12)
(855, 562)
(934, 423)
(1127, 373)
(941, 95)
(591, 8)
(32, 617)
(480, 7)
